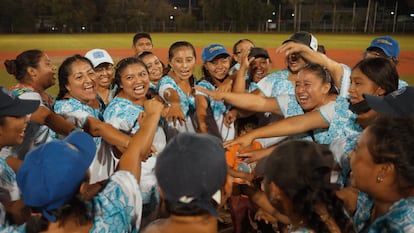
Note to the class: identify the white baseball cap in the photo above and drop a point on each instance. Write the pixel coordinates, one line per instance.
(99, 56)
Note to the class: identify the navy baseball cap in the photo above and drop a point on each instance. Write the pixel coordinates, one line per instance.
(11, 105)
(398, 103)
(258, 52)
(212, 51)
(305, 38)
(191, 169)
(387, 44)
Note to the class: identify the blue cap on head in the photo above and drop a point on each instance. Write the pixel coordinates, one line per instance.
(52, 173)
(212, 51)
(387, 44)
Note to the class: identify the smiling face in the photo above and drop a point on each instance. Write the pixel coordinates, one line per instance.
(80, 81)
(219, 67)
(134, 83)
(310, 90)
(364, 170)
(258, 69)
(12, 130)
(295, 62)
(45, 73)
(154, 66)
(104, 75)
(183, 62)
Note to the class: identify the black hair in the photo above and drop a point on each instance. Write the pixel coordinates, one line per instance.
(242, 123)
(146, 53)
(140, 35)
(239, 42)
(233, 62)
(381, 71)
(18, 67)
(392, 141)
(182, 209)
(322, 73)
(75, 207)
(122, 64)
(65, 71)
(321, 49)
(171, 51)
(303, 174)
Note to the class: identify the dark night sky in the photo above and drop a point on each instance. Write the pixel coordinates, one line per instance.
(404, 6)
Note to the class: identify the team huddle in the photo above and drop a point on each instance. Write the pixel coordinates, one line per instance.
(138, 145)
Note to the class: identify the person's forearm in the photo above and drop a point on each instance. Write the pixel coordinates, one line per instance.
(239, 84)
(58, 124)
(334, 67)
(201, 113)
(97, 128)
(251, 102)
(171, 96)
(291, 126)
(140, 145)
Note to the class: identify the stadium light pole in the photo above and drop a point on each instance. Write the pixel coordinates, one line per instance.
(395, 17)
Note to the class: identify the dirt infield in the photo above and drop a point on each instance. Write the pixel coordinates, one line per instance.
(348, 57)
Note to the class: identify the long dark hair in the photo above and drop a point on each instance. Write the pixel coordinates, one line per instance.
(303, 173)
(65, 71)
(381, 71)
(18, 67)
(392, 141)
(165, 69)
(171, 52)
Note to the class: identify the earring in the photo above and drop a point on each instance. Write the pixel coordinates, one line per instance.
(379, 179)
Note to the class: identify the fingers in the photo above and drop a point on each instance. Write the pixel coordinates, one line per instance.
(230, 143)
(153, 106)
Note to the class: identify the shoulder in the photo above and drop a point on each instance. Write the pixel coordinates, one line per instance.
(25, 92)
(118, 206)
(157, 226)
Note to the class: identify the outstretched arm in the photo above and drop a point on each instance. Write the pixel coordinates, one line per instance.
(56, 122)
(285, 127)
(113, 136)
(246, 101)
(239, 85)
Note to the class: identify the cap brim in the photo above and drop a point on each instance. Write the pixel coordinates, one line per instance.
(207, 206)
(217, 55)
(21, 107)
(378, 104)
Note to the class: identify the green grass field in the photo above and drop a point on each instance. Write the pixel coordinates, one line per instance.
(164, 40)
(21, 42)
